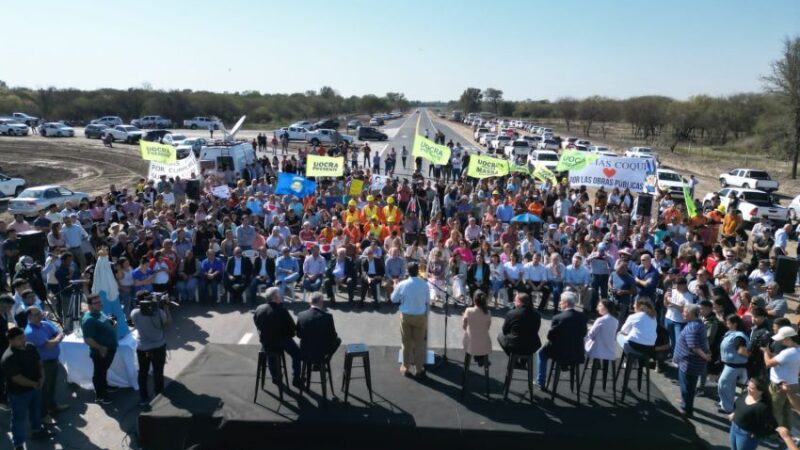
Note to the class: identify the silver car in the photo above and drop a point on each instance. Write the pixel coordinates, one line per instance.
(32, 200)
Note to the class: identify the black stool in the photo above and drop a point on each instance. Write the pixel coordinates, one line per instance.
(595, 363)
(353, 351)
(261, 371)
(510, 373)
(325, 376)
(642, 364)
(574, 378)
(467, 360)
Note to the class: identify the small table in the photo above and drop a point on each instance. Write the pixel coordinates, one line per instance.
(122, 373)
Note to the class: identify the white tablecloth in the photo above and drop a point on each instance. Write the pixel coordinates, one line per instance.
(75, 359)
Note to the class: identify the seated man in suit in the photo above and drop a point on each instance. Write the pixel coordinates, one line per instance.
(371, 275)
(565, 338)
(520, 333)
(341, 273)
(276, 330)
(317, 333)
(263, 273)
(238, 274)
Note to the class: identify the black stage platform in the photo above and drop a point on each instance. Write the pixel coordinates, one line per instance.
(210, 406)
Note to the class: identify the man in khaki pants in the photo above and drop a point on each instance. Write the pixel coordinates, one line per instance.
(413, 295)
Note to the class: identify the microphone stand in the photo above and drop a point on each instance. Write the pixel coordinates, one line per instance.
(442, 359)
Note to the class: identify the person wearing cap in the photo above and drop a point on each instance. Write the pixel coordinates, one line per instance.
(392, 215)
(784, 369)
(691, 355)
(46, 336)
(370, 211)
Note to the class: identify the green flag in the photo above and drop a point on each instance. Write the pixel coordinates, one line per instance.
(541, 172)
(691, 209)
(575, 160)
(433, 152)
(520, 169)
(485, 167)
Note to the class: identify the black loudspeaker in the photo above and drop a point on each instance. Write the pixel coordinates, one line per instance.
(193, 189)
(786, 273)
(644, 205)
(33, 243)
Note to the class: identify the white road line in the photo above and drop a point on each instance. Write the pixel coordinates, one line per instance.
(245, 339)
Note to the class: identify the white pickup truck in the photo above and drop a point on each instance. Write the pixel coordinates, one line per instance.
(327, 136)
(749, 179)
(295, 133)
(202, 123)
(752, 203)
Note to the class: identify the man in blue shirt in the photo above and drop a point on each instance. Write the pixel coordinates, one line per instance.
(647, 278)
(691, 356)
(46, 336)
(622, 287)
(287, 270)
(413, 294)
(210, 277)
(505, 212)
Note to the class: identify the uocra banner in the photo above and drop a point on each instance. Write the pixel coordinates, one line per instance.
(611, 172)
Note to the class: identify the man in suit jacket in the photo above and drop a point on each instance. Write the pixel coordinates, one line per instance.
(263, 273)
(276, 330)
(565, 338)
(520, 333)
(477, 269)
(238, 274)
(372, 272)
(317, 333)
(341, 272)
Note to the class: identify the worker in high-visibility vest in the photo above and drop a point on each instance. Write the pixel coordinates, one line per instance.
(351, 213)
(392, 215)
(370, 211)
(376, 230)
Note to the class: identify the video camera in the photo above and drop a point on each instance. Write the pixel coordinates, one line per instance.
(149, 302)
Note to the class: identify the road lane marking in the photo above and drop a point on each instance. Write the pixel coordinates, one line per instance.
(245, 339)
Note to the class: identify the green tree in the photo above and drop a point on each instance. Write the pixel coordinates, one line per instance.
(567, 109)
(784, 81)
(493, 97)
(470, 100)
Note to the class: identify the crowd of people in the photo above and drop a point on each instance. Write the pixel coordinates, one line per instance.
(696, 293)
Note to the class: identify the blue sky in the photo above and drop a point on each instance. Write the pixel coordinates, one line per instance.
(430, 50)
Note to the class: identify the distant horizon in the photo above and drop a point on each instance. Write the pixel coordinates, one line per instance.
(429, 51)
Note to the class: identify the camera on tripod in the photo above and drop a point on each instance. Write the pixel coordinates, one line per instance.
(149, 302)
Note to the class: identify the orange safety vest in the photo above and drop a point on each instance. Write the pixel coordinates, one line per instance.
(392, 214)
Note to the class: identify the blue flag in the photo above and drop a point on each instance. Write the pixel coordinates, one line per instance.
(291, 184)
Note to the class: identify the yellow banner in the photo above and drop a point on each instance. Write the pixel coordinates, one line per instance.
(485, 167)
(433, 152)
(153, 151)
(544, 174)
(324, 166)
(356, 186)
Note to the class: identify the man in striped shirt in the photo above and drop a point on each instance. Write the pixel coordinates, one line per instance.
(691, 356)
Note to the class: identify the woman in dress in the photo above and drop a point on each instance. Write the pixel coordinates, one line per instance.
(476, 322)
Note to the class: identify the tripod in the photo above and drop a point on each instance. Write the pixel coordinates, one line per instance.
(442, 359)
(69, 314)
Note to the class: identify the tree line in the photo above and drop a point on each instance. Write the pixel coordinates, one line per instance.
(81, 106)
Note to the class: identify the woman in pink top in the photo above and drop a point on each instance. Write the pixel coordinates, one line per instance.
(476, 323)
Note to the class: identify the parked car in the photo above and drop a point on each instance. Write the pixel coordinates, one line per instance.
(295, 133)
(549, 144)
(517, 148)
(749, 178)
(190, 145)
(598, 149)
(57, 129)
(11, 187)
(640, 152)
(302, 124)
(354, 124)
(328, 124)
(10, 127)
(486, 138)
(327, 136)
(671, 181)
(202, 123)
(95, 130)
(548, 157)
(376, 121)
(477, 134)
(125, 133)
(109, 121)
(174, 139)
(24, 118)
(370, 134)
(152, 122)
(32, 200)
(499, 142)
(752, 203)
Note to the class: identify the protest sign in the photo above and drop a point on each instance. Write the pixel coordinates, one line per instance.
(324, 166)
(485, 167)
(611, 172)
(185, 168)
(356, 186)
(575, 160)
(542, 173)
(433, 152)
(378, 182)
(153, 151)
(221, 191)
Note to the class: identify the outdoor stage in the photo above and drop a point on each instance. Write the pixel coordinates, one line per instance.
(210, 406)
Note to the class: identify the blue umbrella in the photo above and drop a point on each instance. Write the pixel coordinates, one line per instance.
(527, 218)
